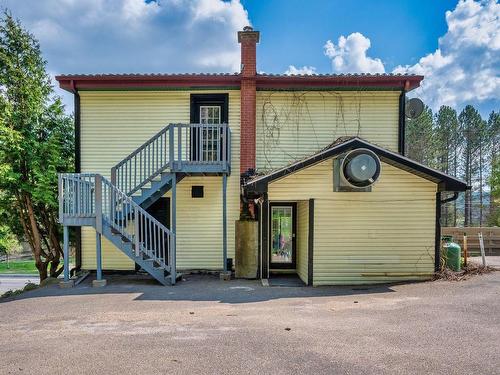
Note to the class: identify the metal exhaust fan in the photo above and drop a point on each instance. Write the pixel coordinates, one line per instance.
(356, 170)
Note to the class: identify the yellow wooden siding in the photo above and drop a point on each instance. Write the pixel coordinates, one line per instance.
(291, 125)
(382, 236)
(302, 239)
(113, 124)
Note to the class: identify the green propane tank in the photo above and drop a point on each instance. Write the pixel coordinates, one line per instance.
(452, 252)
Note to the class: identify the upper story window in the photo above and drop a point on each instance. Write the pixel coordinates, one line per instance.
(210, 114)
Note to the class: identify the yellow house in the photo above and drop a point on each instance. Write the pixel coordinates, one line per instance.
(166, 163)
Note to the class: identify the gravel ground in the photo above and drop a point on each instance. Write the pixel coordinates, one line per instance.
(206, 326)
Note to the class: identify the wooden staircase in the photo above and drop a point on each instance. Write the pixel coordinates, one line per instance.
(117, 208)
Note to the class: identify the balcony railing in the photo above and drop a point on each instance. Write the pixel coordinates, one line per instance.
(189, 148)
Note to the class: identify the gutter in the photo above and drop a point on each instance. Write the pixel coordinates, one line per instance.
(454, 197)
(437, 249)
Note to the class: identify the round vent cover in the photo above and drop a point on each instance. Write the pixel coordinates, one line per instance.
(361, 168)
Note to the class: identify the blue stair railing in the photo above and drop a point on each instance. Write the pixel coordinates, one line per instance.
(117, 208)
(93, 200)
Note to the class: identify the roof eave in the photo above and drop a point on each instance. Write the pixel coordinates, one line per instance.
(74, 83)
(399, 82)
(444, 182)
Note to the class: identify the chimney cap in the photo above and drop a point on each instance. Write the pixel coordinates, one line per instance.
(248, 34)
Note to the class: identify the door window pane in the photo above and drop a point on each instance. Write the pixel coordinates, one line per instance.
(281, 234)
(210, 115)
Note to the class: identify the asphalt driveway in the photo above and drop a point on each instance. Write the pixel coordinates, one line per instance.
(206, 326)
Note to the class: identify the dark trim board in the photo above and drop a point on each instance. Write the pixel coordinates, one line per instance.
(437, 244)
(265, 242)
(209, 99)
(402, 123)
(310, 245)
(286, 266)
(78, 158)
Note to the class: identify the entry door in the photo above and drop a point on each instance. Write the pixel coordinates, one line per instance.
(207, 110)
(283, 224)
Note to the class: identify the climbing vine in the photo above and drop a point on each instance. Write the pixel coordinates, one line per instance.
(290, 126)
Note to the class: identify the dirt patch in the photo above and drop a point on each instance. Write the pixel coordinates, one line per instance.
(472, 269)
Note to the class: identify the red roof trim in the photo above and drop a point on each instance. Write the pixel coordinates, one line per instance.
(382, 81)
(73, 83)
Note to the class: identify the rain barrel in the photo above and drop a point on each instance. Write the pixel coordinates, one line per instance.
(452, 252)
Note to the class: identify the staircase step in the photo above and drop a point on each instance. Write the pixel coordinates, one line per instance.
(124, 239)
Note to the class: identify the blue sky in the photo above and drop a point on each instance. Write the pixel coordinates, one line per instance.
(455, 44)
(293, 31)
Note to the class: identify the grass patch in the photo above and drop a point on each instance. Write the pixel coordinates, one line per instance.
(23, 266)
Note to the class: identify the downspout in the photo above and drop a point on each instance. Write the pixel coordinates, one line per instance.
(437, 250)
(402, 119)
(77, 119)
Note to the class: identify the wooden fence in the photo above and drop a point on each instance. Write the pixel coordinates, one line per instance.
(491, 237)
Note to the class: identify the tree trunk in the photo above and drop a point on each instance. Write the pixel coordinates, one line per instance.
(37, 243)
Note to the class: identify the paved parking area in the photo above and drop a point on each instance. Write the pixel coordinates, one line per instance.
(206, 326)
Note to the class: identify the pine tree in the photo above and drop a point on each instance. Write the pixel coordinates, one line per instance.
(447, 148)
(493, 131)
(420, 140)
(470, 123)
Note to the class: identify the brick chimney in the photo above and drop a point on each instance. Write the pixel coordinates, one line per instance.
(248, 38)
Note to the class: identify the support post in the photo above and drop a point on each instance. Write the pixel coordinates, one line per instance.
(67, 282)
(173, 240)
(224, 220)
(98, 255)
(98, 203)
(99, 280)
(66, 252)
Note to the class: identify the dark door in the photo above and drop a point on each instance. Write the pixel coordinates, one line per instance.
(208, 109)
(283, 228)
(160, 210)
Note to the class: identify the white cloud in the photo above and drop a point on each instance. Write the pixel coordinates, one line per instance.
(466, 65)
(349, 55)
(292, 70)
(134, 36)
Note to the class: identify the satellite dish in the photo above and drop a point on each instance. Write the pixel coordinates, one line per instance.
(414, 108)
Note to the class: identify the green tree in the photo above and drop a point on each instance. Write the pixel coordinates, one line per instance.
(420, 140)
(36, 142)
(447, 153)
(471, 128)
(494, 141)
(494, 218)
